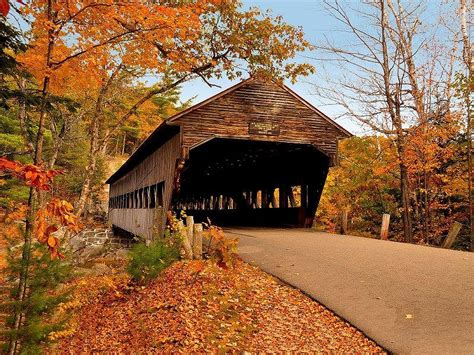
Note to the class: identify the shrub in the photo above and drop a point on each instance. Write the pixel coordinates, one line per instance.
(217, 247)
(146, 262)
(44, 298)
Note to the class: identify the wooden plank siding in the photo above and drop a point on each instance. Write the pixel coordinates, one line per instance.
(157, 167)
(229, 116)
(266, 112)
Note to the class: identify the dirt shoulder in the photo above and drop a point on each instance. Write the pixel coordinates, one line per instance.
(209, 310)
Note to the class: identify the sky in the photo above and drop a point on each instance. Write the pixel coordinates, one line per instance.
(317, 24)
(311, 16)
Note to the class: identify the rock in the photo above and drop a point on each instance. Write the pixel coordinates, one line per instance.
(121, 253)
(91, 252)
(76, 243)
(101, 269)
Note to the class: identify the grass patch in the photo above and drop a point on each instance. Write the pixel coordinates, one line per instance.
(147, 262)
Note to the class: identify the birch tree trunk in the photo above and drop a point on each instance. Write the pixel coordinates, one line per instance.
(469, 63)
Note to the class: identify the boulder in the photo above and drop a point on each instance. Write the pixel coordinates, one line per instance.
(76, 243)
(90, 252)
(121, 253)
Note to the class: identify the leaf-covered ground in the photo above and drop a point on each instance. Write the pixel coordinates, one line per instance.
(240, 309)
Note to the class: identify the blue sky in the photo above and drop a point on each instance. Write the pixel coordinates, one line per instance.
(309, 14)
(318, 24)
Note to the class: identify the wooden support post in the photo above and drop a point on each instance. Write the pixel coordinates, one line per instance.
(197, 241)
(283, 197)
(452, 234)
(344, 215)
(248, 198)
(304, 195)
(385, 224)
(265, 201)
(188, 238)
(312, 196)
(159, 225)
(258, 198)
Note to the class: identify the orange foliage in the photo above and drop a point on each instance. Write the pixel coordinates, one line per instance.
(219, 248)
(56, 213)
(436, 177)
(32, 175)
(82, 42)
(48, 219)
(362, 183)
(214, 311)
(91, 38)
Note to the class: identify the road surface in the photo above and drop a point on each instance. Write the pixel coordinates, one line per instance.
(408, 298)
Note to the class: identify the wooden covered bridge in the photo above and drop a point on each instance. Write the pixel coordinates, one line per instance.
(254, 154)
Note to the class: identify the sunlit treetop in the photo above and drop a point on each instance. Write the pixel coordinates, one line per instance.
(207, 38)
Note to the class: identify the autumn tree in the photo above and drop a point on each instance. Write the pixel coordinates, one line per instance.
(395, 79)
(48, 219)
(364, 183)
(102, 41)
(466, 85)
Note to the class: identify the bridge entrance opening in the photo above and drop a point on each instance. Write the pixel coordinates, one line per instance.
(236, 182)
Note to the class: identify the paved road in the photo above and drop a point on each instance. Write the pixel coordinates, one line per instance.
(408, 298)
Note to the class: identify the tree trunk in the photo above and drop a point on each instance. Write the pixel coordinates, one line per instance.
(90, 168)
(22, 118)
(33, 196)
(469, 170)
(405, 199)
(393, 100)
(95, 147)
(469, 63)
(58, 143)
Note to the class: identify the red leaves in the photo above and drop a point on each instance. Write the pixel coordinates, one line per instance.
(216, 312)
(32, 175)
(4, 7)
(56, 213)
(8, 165)
(219, 248)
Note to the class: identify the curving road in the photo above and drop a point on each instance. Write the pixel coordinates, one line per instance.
(408, 298)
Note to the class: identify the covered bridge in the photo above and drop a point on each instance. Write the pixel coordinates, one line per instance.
(254, 154)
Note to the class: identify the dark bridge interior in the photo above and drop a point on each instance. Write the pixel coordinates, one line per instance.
(241, 182)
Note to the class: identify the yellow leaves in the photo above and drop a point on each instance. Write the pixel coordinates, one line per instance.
(69, 329)
(218, 247)
(52, 242)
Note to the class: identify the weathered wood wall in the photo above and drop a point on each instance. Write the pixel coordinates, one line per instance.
(256, 101)
(157, 167)
(253, 110)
